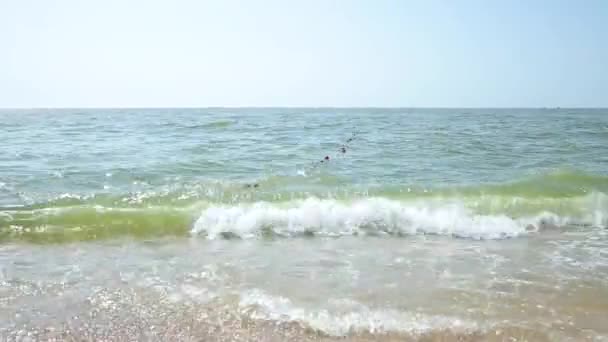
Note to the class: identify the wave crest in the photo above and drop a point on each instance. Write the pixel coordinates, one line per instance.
(369, 216)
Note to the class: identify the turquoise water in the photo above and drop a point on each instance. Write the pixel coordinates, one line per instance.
(501, 205)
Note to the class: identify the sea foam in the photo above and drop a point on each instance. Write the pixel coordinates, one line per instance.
(368, 216)
(359, 319)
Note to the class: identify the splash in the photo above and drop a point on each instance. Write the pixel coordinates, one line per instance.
(370, 216)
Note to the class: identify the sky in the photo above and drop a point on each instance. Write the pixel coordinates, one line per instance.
(311, 53)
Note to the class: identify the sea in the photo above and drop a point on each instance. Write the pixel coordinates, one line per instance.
(304, 224)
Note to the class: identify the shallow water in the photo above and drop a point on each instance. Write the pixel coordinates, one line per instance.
(223, 224)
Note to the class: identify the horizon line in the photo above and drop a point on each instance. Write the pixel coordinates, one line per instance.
(298, 107)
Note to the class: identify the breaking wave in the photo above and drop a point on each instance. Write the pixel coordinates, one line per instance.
(277, 209)
(374, 216)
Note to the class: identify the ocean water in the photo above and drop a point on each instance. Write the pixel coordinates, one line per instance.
(302, 224)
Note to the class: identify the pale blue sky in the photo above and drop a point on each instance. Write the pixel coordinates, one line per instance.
(110, 53)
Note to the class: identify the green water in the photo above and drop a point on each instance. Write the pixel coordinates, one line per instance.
(84, 174)
(199, 224)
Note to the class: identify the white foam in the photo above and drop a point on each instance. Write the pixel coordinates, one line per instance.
(259, 305)
(365, 216)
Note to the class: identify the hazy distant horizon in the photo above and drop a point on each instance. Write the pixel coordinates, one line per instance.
(299, 107)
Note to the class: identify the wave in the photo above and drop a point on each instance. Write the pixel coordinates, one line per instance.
(357, 318)
(543, 191)
(482, 218)
(82, 223)
(315, 205)
(375, 216)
